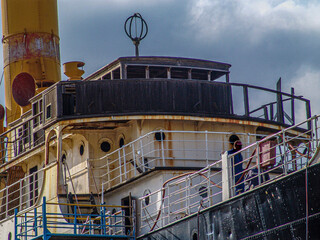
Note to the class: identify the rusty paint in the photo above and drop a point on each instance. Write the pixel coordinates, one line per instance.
(31, 45)
(170, 154)
(174, 117)
(23, 88)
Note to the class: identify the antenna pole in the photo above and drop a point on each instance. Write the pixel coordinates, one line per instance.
(137, 49)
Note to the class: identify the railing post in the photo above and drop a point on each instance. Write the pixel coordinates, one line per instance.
(168, 204)
(162, 148)
(207, 154)
(316, 130)
(293, 118)
(102, 190)
(308, 112)
(7, 203)
(208, 187)
(15, 224)
(135, 163)
(108, 170)
(35, 227)
(120, 167)
(25, 226)
(271, 112)
(188, 183)
(103, 220)
(312, 147)
(280, 116)
(259, 163)
(44, 218)
(226, 176)
(285, 167)
(21, 195)
(246, 101)
(141, 149)
(75, 220)
(124, 163)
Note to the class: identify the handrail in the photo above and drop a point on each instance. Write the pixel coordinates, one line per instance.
(181, 197)
(40, 221)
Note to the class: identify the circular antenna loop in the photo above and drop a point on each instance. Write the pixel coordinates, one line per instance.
(136, 29)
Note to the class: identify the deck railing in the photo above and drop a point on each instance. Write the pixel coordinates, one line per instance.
(274, 156)
(21, 194)
(21, 138)
(180, 149)
(45, 221)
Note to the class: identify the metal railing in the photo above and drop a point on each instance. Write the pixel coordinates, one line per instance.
(272, 105)
(273, 156)
(21, 138)
(269, 159)
(21, 194)
(179, 197)
(42, 221)
(161, 149)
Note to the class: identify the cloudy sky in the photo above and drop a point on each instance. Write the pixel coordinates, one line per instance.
(262, 39)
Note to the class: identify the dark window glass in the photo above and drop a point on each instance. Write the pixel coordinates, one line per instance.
(159, 136)
(136, 72)
(81, 150)
(105, 146)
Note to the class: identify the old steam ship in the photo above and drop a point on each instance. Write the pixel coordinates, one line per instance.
(138, 149)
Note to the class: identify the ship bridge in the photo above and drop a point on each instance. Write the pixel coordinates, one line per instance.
(153, 86)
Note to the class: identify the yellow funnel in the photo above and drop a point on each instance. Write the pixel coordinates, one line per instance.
(30, 44)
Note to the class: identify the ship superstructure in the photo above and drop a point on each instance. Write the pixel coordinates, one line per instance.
(139, 147)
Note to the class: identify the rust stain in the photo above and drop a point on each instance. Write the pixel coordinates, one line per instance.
(172, 117)
(169, 145)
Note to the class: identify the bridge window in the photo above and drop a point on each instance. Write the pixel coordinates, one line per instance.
(136, 72)
(158, 72)
(180, 73)
(116, 73)
(199, 74)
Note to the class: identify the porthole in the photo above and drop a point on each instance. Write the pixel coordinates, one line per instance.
(81, 149)
(147, 199)
(203, 192)
(121, 142)
(160, 136)
(105, 146)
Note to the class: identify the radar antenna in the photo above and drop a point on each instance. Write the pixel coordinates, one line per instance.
(139, 33)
